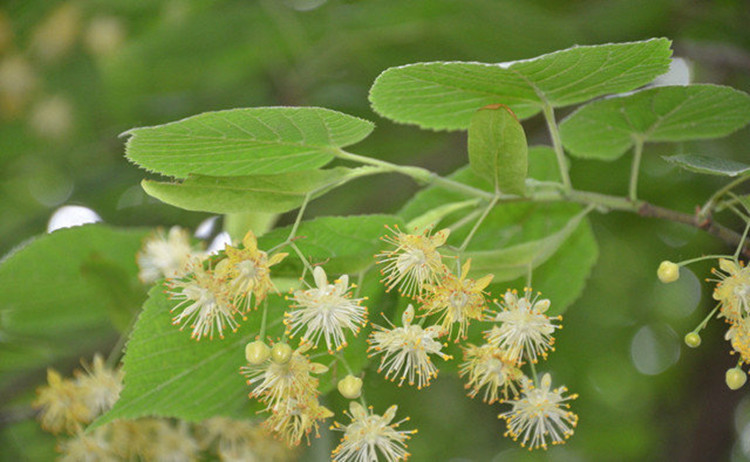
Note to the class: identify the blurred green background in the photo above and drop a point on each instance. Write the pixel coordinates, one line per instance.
(75, 74)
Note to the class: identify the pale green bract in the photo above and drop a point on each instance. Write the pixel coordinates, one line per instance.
(445, 95)
(254, 141)
(275, 193)
(606, 129)
(709, 165)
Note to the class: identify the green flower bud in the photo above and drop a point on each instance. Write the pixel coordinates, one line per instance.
(735, 378)
(281, 353)
(668, 272)
(693, 340)
(257, 352)
(350, 387)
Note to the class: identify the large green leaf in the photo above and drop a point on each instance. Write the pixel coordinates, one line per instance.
(257, 193)
(708, 165)
(445, 95)
(348, 242)
(254, 141)
(498, 150)
(169, 374)
(57, 298)
(606, 129)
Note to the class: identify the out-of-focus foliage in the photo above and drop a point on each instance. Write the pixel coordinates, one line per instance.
(75, 74)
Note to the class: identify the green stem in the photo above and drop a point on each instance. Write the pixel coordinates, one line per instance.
(707, 208)
(742, 242)
(298, 220)
(705, 257)
(419, 174)
(549, 117)
(478, 224)
(301, 256)
(533, 374)
(635, 169)
(263, 320)
(703, 323)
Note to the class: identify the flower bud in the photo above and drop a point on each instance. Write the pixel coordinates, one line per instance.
(350, 387)
(693, 340)
(668, 272)
(257, 352)
(281, 353)
(735, 378)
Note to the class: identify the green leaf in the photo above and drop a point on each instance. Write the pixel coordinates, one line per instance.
(171, 375)
(255, 141)
(51, 304)
(497, 149)
(445, 95)
(514, 261)
(606, 129)
(709, 165)
(276, 193)
(347, 244)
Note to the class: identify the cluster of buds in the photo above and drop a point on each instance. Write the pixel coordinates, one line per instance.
(732, 294)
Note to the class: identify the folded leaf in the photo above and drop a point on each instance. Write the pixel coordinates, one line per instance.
(277, 193)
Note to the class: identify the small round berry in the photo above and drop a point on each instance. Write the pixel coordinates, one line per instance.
(668, 272)
(281, 353)
(257, 352)
(735, 378)
(350, 387)
(693, 340)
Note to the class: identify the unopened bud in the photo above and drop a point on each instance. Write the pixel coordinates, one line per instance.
(350, 387)
(668, 272)
(281, 353)
(257, 352)
(693, 340)
(735, 378)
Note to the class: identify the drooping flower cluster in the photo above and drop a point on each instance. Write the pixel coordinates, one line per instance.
(285, 383)
(66, 405)
(521, 333)
(211, 297)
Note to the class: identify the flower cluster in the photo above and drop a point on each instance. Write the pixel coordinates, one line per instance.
(211, 296)
(284, 382)
(369, 435)
(66, 405)
(521, 333)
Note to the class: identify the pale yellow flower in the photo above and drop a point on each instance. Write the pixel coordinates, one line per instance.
(61, 405)
(100, 386)
(457, 300)
(732, 290)
(370, 437)
(87, 447)
(540, 415)
(525, 331)
(487, 367)
(242, 440)
(165, 255)
(739, 336)
(326, 311)
(406, 350)
(248, 272)
(292, 419)
(414, 262)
